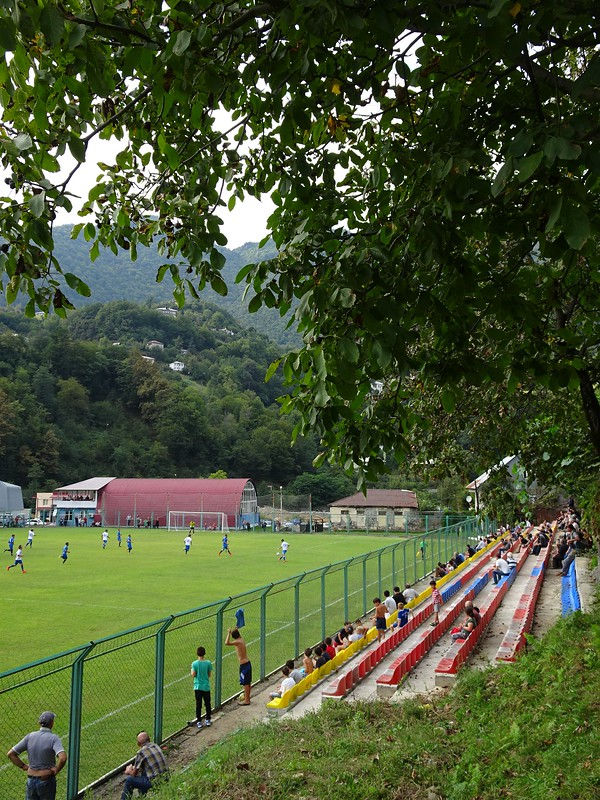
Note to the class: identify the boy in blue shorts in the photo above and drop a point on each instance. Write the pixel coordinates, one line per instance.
(234, 639)
(225, 546)
(65, 553)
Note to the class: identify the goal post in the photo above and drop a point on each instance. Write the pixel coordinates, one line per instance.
(202, 521)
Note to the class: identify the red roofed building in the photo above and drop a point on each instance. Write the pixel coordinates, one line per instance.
(154, 502)
(386, 509)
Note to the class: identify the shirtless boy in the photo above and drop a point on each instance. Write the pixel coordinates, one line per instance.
(234, 639)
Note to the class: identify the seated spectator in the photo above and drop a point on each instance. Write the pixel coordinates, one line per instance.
(286, 684)
(295, 673)
(502, 569)
(481, 544)
(470, 551)
(468, 626)
(474, 609)
(307, 662)
(568, 558)
(440, 570)
(403, 615)
(559, 552)
(359, 632)
(511, 560)
(329, 648)
(340, 639)
(389, 603)
(398, 596)
(459, 558)
(410, 593)
(320, 657)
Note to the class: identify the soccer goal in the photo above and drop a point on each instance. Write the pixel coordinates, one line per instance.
(202, 521)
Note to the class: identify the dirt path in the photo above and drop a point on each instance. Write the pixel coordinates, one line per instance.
(185, 748)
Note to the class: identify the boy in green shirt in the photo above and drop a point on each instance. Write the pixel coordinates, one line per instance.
(201, 671)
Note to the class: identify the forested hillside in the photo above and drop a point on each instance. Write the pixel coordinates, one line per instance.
(74, 403)
(117, 277)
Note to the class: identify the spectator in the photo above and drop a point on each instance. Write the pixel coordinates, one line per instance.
(307, 661)
(295, 673)
(475, 609)
(468, 626)
(403, 615)
(389, 602)
(501, 570)
(437, 602)
(320, 657)
(149, 766)
(286, 684)
(329, 648)
(399, 596)
(410, 593)
(46, 757)
(511, 560)
(379, 618)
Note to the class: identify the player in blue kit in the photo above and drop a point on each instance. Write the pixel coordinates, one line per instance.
(225, 546)
(65, 553)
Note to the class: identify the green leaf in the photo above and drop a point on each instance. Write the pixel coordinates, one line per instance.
(349, 350)
(554, 214)
(23, 142)
(502, 177)
(557, 147)
(77, 148)
(576, 225)
(448, 401)
(527, 166)
(51, 23)
(182, 42)
(37, 204)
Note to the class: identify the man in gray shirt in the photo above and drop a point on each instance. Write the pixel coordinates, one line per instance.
(46, 757)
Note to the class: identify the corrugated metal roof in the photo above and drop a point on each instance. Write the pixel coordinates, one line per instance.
(91, 485)
(180, 486)
(380, 498)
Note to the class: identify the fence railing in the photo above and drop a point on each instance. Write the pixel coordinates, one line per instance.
(105, 692)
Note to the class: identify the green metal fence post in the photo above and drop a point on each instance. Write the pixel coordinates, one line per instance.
(75, 723)
(219, 653)
(379, 575)
(263, 632)
(346, 588)
(323, 607)
(297, 614)
(159, 679)
(365, 585)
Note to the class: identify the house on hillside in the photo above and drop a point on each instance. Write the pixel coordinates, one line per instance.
(170, 312)
(177, 366)
(386, 509)
(154, 344)
(510, 465)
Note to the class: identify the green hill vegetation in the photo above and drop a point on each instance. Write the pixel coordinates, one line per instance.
(78, 398)
(527, 731)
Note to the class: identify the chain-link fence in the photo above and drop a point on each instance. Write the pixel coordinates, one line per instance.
(105, 692)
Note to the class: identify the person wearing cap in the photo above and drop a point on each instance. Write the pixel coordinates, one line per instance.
(46, 757)
(149, 765)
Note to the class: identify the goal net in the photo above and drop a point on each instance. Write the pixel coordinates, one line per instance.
(198, 520)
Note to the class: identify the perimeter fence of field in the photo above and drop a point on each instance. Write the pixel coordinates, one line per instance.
(105, 692)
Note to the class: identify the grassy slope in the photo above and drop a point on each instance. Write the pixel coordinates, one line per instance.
(527, 732)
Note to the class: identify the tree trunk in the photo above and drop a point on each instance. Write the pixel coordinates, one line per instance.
(591, 407)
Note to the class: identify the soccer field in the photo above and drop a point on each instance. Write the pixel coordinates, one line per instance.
(99, 592)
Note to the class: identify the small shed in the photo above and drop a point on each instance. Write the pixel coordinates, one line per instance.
(11, 503)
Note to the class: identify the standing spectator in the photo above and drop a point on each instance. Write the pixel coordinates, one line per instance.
(379, 618)
(187, 543)
(104, 539)
(65, 553)
(46, 757)
(234, 639)
(225, 545)
(284, 549)
(129, 543)
(11, 544)
(201, 671)
(119, 536)
(437, 602)
(148, 767)
(30, 535)
(18, 559)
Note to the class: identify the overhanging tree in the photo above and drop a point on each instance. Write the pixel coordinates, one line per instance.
(434, 168)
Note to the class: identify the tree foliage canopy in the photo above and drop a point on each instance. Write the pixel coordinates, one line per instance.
(434, 166)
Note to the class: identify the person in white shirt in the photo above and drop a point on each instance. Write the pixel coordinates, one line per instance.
(30, 536)
(104, 539)
(389, 603)
(187, 542)
(410, 593)
(511, 560)
(286, 684)
(501, 569)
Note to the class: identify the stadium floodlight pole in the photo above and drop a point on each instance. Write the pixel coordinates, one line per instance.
(272, 507)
